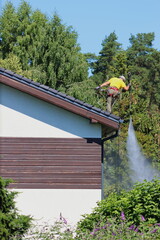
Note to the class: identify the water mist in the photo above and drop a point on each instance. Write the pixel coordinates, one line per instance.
(141, 168)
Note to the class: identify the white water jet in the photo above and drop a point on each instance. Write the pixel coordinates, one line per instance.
(140, 167)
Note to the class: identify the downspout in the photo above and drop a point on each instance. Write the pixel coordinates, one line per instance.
(102, 157)
(110, 137)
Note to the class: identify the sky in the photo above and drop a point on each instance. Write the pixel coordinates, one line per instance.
(94, 20)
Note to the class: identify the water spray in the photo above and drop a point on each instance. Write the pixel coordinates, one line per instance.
(140, 166)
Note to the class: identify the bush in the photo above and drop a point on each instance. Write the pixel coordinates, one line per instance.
(143, 201)
(121, 231)
(111, 230)
(12, 225)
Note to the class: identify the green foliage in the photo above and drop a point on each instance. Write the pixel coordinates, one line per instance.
(106, 60)
(12, 63)
(142, 200)
(116, 170)
(46, 48)
(12, 223)
(85, 91)
(112, 230)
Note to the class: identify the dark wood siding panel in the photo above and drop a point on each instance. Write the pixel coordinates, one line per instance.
(51, 162)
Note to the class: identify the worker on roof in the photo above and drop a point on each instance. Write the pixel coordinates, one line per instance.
(115, 84)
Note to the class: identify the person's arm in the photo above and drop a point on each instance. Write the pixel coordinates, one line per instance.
(105, 84)
(127, 87)
(102, 85)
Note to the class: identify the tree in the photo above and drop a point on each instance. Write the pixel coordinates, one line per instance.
(143, 61)
(105, 62)
(12, 63)
(12, 223)
(63, 61)
(44, 46)
(8, 29)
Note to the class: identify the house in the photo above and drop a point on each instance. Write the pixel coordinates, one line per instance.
(51, 145)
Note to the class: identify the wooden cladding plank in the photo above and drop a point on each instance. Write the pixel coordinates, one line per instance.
(51, 162)
(49, 169)
(59, 180)
(61, 151)
(54, 175)
(54, 186)
(50, 157)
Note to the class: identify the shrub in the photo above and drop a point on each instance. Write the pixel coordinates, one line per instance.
(121, 231)
(111, 230)
(142, 201)
(12, 225)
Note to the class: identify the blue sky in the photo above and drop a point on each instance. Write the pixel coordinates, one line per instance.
(93, 20)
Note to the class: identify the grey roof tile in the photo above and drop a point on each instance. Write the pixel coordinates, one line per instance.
(2, 69)
(17, 75)
(44, 86)
(53, 90)
(9, 72)
(62, 94)
(88, 105)
(71, 98)
(26, 79)
(35, 83)
(97, 109)
(79, 101)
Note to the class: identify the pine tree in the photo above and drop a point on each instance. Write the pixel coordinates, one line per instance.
(63, 61)
(8, 29)
(105, 62)
(45, 47)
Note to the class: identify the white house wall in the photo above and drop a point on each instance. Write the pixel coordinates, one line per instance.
(25, 116)
(45, 205)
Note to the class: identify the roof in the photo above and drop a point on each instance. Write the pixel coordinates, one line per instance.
(96, 115)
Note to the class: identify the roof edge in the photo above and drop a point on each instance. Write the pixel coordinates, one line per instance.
(61, 96)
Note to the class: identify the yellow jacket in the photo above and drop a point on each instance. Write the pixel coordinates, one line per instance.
(116, 82)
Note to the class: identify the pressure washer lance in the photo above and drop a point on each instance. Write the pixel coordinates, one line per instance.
(130, 102)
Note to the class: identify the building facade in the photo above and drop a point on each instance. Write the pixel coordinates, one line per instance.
(51, 145)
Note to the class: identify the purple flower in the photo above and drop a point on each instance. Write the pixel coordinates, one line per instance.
(122, 216)
(142, 218)
(63, 219)
(136, 229)
(113, 234)
(157, 224)
(132, 227)
(95, 230)
(104, 227)
(155, 230)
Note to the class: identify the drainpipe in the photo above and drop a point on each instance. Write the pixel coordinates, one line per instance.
(102, 157)
(110, 137)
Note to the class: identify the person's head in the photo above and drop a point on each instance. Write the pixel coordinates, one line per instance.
(123, 78)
